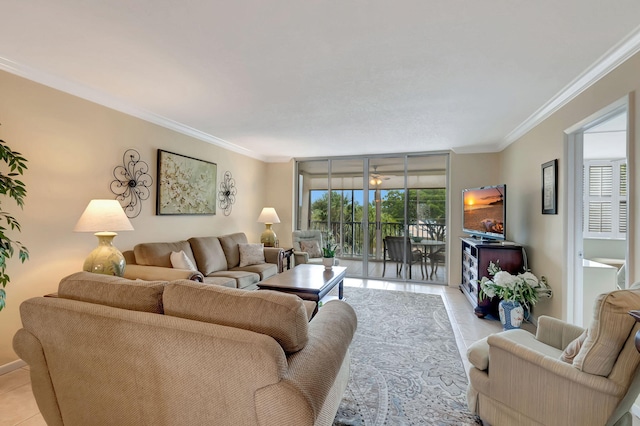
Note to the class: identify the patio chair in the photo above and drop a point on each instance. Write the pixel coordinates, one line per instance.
(399, 250)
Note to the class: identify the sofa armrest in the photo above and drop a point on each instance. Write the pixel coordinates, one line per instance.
(312, 370)
(516, 358)
(556, 333)
(273, 255)
(159, 273)
(300, 257)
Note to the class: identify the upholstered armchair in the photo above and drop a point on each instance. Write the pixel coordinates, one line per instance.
(307, 246)
(564, 375)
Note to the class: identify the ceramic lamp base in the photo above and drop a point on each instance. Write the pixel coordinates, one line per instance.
(268, 237)
(105, 259)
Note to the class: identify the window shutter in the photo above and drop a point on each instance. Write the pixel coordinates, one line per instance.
(605, 201)
(600, 181)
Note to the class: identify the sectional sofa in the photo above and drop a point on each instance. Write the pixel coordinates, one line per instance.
(113, 351)
(227, 260)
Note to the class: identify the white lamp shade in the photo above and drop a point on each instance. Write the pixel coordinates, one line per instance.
(103, 216)
(268, 215)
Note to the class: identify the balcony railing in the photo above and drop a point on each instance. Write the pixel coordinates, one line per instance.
(350, 235)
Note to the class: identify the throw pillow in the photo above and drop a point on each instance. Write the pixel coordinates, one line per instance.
(180, 260)
(251, 254)
(573, 348)
(312, 247)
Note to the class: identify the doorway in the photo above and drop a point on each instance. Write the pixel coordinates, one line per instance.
(597, 209)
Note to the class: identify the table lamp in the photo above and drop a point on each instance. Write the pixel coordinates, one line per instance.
(104, 217)
(268, 217)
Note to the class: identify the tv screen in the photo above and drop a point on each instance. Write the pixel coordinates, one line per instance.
(485, 211)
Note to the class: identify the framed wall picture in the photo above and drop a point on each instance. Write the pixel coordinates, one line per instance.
(550, 187)
(186, 185)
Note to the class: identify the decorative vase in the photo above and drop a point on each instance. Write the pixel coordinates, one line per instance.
(328, 263)
(511, 314)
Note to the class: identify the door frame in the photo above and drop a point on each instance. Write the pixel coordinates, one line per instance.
(574, 255)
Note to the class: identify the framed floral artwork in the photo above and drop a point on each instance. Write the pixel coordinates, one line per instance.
(186, 185)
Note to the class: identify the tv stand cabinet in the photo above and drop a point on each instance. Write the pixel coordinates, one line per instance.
(476, 256)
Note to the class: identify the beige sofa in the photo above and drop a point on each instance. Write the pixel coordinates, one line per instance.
(564, 375)
(217, 260)
(113, 351)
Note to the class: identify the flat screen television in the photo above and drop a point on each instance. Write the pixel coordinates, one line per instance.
(485, 211)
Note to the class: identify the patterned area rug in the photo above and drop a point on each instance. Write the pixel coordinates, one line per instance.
(405, 365)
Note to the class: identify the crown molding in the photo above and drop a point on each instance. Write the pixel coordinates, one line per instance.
(108, 101)
(614, 57)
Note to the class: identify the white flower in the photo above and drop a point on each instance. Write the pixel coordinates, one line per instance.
(531, 279)
(489, 291)
(505, 279)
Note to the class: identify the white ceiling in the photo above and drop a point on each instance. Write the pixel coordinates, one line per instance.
(304, 78)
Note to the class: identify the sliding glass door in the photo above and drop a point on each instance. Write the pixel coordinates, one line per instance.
(362, 202)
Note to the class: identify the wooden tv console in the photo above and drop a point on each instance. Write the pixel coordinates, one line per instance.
(476, 256)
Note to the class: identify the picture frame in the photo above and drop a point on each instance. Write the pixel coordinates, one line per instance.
(185, 185)
(550, 187)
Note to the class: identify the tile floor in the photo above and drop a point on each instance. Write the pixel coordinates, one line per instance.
(18, 406)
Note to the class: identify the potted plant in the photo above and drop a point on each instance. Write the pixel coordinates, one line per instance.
(517, 293)
(15, 189)
(329, 253)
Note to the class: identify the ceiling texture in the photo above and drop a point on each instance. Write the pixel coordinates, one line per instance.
(307, 78)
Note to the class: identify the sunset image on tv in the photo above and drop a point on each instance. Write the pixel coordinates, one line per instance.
(484, 210)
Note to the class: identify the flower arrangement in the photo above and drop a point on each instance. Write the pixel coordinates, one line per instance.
(329, 249)
(524, 288)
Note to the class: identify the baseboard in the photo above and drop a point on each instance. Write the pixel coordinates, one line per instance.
(8, 368)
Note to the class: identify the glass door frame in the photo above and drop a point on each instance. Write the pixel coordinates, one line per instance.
(365, 173)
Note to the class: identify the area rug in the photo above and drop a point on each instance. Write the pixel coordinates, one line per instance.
(405, 365)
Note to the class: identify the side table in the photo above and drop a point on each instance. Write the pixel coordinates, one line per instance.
(286, 254)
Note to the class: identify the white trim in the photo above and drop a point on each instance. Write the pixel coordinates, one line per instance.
(109, 101)
(12, 366)
(573, 237)
(619, 53)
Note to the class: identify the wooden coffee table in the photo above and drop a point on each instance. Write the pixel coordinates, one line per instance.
(309, 282)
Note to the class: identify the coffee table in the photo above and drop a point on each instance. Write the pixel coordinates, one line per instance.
(309, 282)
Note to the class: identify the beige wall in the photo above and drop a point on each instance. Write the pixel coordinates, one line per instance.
(467, 171)
(543, 235)
(72, 147)
(280, 194)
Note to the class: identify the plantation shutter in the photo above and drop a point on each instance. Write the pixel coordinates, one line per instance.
(605, 204)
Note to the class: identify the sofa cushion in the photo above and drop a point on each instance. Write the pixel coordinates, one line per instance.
(608, 331)
(242, 278)
(223, 281)
(251, 254)
(134, 295)
(279, 315)
(265, 270)
(159, 254)
(208, 254)
(230, 246)
(180, 260)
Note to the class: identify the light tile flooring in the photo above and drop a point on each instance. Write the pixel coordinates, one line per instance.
(18, 406)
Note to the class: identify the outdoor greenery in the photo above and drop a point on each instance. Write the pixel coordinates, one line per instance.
(426, 207)
(15, 189)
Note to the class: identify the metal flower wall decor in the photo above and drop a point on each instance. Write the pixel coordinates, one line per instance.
(132, 183)
(227, 193)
